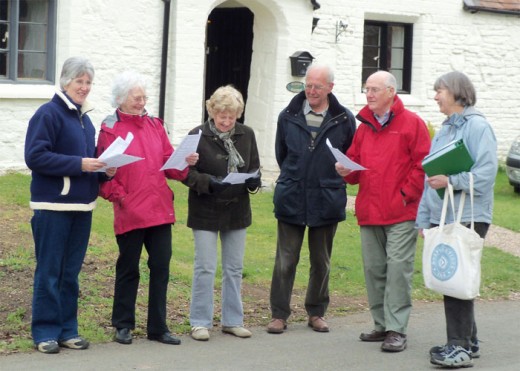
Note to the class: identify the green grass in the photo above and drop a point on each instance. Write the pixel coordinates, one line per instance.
(499, 269)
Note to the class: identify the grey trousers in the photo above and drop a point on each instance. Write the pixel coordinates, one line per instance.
(388, 260)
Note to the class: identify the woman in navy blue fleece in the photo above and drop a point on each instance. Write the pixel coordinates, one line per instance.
(60, 150)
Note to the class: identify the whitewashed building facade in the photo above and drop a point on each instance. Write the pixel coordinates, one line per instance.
(189, 47)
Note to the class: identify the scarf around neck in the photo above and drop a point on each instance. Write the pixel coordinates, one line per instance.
(234, 159)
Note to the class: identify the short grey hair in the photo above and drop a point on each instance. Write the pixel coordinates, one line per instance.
(322, 66)
(459, 85)
(391, 82)
(123, 83)
(75, 67)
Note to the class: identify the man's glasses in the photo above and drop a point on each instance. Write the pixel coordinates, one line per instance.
(315, 87)
(373, 90)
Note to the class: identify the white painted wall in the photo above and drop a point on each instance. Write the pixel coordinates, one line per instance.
(120, 34)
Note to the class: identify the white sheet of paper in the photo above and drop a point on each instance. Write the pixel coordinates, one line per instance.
(344, 160)
(238, 178)
(114, 155)
(178, 158)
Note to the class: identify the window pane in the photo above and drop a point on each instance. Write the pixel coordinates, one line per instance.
(397, 36)
(397, 60)
(371, 57)
(31, 65)
(372, 35)
(4, 11)
(34, 11)
(32, 37)
(32, 40)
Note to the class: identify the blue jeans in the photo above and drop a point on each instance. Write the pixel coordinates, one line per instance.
(205, 266)
(61, 240)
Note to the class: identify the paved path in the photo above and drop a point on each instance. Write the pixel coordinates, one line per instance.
(299, 348)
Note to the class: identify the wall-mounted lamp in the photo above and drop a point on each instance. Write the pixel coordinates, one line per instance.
(341, 27)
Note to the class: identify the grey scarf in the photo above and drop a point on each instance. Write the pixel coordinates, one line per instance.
(234, 159)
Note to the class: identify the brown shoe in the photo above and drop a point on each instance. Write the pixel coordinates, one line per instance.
(373, 336)
(276, 326)
(394, 342)
(318, 324)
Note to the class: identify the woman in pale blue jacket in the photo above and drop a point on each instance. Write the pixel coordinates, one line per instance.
(456, 96)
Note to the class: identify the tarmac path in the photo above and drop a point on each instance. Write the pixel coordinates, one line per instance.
(299, 348)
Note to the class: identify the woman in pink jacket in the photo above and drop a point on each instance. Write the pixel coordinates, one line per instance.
(143, 208)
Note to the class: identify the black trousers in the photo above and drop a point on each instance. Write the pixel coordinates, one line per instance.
(461, 328)
(157, 241)
(289, 244)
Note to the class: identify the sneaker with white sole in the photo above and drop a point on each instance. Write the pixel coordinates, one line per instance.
(452, 356)
(238, 331)
(475, 350)
(200, 333)
(48, 347)
(75, 343)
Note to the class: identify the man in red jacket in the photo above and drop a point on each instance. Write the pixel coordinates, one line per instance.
(391, 143)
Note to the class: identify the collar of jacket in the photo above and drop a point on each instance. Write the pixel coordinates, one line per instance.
(86, 107)
(366, 116)
(459, 119)
(295, 105)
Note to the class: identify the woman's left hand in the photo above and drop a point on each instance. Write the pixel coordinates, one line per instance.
(192, 158)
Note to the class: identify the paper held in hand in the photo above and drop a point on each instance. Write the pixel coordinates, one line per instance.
(239, 178)
(178, 158)
(344, 160)
(114, 155)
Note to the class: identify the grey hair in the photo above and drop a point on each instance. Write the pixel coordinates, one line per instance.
(322, 66)
(459, 85)
(75, 67)
(123, 83)
(225, 98)
(391, 82)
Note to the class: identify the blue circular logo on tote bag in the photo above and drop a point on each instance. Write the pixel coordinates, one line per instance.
(444, 262)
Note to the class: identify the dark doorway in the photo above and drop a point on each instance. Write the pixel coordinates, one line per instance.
(229, 45)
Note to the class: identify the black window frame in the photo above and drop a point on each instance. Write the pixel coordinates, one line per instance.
(385, 53)
(12, 49)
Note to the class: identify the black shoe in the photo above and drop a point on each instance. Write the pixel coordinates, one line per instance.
(123, 336)
(165, 338)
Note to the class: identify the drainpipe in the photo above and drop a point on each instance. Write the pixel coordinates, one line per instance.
(164, 57)
(315, 5)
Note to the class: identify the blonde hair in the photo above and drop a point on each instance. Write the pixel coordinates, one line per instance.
(225, 98)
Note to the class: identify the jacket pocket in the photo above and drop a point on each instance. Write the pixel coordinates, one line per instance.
(333, 199)
(287, 198)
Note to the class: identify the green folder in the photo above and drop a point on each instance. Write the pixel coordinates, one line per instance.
(453, 158)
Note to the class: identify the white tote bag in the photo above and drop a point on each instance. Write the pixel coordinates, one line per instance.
(452, 253)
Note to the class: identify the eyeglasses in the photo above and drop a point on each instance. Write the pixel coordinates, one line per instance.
(139, 98)
(315, 87)
(373, 90)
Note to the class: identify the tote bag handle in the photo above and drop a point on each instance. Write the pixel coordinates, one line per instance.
(461, 202)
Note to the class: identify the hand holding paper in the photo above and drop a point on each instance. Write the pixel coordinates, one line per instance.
(239, 178)
(344, 160)
(114, 155)
(178, 158)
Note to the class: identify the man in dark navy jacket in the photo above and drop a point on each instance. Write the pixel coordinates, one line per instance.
(309, 194)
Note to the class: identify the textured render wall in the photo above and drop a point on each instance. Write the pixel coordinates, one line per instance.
(280, 28)
(483, 45)
(114, 36)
